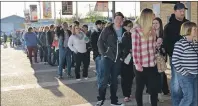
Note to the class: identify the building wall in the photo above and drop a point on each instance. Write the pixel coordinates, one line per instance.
(7, 27)
(15, 20)
(167, 9)
(194, 11)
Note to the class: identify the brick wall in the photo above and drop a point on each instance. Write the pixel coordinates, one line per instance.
(194, 11)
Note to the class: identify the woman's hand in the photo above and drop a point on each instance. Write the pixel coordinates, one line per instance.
(75, 51)
(139, 68)
(159, 42)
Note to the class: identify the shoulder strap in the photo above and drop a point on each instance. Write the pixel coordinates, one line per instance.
(191, 46)
(123, 34)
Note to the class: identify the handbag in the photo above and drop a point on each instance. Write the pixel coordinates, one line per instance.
(161, 62)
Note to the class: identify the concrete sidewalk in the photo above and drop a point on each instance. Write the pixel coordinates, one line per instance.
(23, 85)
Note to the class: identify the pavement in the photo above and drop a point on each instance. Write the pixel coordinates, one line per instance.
(23, 85)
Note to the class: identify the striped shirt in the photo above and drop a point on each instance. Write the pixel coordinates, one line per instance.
(185, 58)
(143, 51)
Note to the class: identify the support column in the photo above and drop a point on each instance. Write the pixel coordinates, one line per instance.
(76, 10)
(188, 12)
(113, 10)
(55, 13)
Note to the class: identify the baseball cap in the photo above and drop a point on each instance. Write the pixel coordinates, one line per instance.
(118, 14)
(179, 6)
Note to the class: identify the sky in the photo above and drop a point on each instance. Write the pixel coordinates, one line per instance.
(17, 8)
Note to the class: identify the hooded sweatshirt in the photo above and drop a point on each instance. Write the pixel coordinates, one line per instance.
(31, 39)
(94, 39)
(172, 33)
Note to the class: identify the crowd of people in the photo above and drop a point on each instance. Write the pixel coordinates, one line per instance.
(137, 50)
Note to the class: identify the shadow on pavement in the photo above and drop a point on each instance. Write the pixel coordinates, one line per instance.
(85, 89)
(46, 79)
(89, 91)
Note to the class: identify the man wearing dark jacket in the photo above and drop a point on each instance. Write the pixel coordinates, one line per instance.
(64, 52)
(109, 48)
(50, 37)
(171, 36)
(43, 40)
(96, 56)
(88, 45)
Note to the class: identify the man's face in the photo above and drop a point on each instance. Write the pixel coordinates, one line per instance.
(31, 30)
(180, 14)
(99, 26)
(65, 26)
(84, 29)
(118, 20)
(53, 28)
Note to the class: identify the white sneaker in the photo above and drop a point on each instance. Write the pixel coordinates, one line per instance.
(64, 71)
(99, 103)
(86, 78)
(108, 85)
(117, 104)
(149, 99)
(160, 97)
(78, 79)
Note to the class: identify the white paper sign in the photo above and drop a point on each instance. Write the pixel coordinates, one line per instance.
(156, 9)
(127, 59)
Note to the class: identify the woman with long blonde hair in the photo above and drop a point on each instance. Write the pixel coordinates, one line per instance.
(143, 53)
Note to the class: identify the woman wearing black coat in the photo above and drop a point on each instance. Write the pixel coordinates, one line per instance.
(127, 73)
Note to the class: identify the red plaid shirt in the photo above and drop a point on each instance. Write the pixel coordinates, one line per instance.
(143, 51)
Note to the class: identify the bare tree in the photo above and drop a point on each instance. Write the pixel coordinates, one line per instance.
(92, 16)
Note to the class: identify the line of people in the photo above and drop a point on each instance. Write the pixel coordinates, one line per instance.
(146, 53)
(55, 48)
(130, 50)
(137, 50)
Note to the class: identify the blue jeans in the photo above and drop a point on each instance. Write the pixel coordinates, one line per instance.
(64, 53)
(45, 54)
(176, 93)
(98, 70)
(49, 51)
(57, 56)
(161, 80)
(189, 88)
(112, 69)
